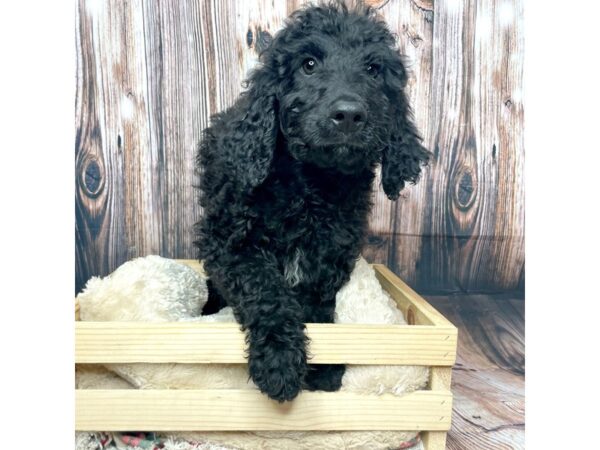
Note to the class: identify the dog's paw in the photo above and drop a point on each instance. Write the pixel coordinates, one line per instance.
(324, 377)
(279, 375)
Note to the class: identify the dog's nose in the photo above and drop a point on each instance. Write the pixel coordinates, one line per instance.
(348, 116)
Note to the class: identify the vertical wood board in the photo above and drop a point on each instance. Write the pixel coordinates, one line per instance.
(150, 74)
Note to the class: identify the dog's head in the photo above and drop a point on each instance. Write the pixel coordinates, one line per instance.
(332, 85)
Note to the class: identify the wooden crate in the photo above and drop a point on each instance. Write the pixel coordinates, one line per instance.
(428, 340)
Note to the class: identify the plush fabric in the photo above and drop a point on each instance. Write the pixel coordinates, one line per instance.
(149, 289)
(236, 441)
(126, 295)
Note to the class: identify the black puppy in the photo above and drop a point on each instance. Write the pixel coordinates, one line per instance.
(286, 180)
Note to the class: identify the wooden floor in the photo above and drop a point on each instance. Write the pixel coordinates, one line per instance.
(488, 380)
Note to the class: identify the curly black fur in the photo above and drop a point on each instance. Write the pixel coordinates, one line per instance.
(286, 194)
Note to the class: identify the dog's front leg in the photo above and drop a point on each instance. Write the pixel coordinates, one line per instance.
(323, 377)
(273, 320)
(277, 353)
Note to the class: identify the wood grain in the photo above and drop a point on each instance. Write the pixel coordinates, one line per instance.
(399, 224)
(430, 340)
(488, 379)
(149, 75)
(409, 302)
(434, 440)
(475, 214)
(440, 378)
(122, 342)
(184, 410)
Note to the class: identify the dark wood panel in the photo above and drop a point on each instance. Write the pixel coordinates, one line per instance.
(149, 74)
(474, 208)
(402, 222)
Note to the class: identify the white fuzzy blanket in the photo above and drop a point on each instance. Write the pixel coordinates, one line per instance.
(158, 289)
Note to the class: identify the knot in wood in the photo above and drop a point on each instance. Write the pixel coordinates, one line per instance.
(465, 189)
(91, 177)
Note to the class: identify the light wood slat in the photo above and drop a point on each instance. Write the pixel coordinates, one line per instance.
(440, 378)
(218, 410)
(408, 300)
(128, 342)
(434, 440)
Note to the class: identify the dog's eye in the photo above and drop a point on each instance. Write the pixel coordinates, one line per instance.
(373, 70)
(309, 65)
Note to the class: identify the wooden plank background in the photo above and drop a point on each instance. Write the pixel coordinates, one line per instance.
(149, 74)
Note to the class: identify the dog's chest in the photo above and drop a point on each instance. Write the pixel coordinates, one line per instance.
(293, 270)
(314, 239)
(312, 227)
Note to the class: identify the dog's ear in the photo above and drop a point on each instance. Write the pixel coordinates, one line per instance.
(404, 154)
(243, 138)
